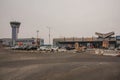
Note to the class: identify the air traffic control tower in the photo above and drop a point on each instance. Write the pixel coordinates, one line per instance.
(15, 30)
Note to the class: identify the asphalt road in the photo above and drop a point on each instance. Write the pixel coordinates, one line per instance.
(57, 66)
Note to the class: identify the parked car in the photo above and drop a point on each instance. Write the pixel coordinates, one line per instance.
(32, 48)
(54, 48)
(118, 48)
(70, 48)
(62, 49)
(47, 48)
(16, 47)
(44, 48)
(25, 47)
(111, 48)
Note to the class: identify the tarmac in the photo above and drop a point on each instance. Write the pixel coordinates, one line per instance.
(57, 66)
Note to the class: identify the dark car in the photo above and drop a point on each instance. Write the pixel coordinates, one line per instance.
(118, 48)
(25, 47)
(69, 48)
(32, 48)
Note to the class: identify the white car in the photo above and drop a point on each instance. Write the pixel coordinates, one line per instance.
(54, 48)
(15, 47)
(48, 48)
(62, 50)
(44, 48)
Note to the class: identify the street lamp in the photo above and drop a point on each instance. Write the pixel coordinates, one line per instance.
(49, 34)
(37, 33)
(37, 38)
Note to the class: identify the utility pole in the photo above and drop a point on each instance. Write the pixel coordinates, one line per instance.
(37, 33)
(49, 34)
(37, 38)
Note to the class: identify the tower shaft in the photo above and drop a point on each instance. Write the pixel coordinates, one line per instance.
(15, 30)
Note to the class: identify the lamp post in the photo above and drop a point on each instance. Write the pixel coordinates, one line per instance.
(37, 38)
(49, 34)
(37, 33)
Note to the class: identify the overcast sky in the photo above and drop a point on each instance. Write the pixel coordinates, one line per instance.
(67, 18)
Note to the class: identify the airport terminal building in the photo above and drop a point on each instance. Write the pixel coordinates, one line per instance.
(94, 42)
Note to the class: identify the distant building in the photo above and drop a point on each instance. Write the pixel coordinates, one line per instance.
(6, 41)
(22, 41)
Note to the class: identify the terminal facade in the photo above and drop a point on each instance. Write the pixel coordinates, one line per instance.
(103, 40)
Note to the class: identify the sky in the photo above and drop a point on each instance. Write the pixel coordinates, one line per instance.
(66, 18)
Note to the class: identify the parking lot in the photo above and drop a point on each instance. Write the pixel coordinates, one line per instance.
(16, 65)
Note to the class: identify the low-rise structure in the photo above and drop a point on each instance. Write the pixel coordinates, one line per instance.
(23, 41)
